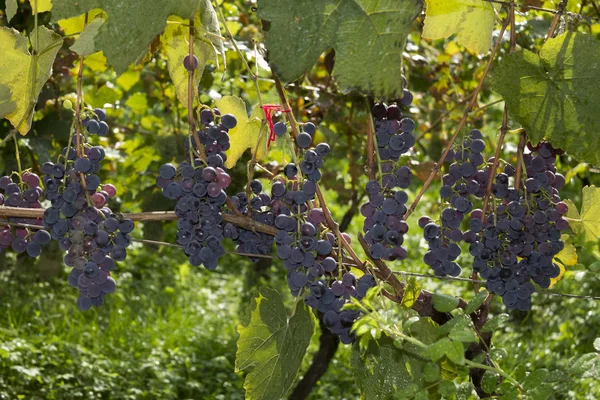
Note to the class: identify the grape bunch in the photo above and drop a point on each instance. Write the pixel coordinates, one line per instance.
(305, 138)
(523, 234)
(329, 300)
(26, 193)
(93, 237)
(258, 208)
(384, 225)
(95, 124)
(465, 178)
(199, 189)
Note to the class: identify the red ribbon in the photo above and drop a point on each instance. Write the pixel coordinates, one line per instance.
(269, 109)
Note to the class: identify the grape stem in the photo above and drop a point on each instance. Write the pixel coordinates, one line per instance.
(466, 113)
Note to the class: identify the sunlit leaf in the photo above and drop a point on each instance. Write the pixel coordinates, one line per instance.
(567, 257)
(16, 70)
(7, 106)
(247, 132)
(586, 222)
(471, 20)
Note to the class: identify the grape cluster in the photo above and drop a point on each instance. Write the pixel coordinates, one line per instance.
(305, 138)
(26, 193)
(258, 208)
(523, 234)
(96, 123)
(329, 300)
(465, 178)
(93, 237)
(199, 189)
(384, 225)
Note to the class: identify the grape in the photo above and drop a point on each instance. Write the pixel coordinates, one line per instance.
(304, 140)
(280, 128)
(229, 121)
(190, 66)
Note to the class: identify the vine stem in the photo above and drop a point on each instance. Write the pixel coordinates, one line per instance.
(241, 221)
(560, 11)
(370, 143)
(469, 109)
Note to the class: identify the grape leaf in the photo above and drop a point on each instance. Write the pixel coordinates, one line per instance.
(16, 70)
(271, 346)
(554, 95)
(84, 46)
(586, 222)
(368, 38)
(373, 370)
(7, 106)
(130, 27)
(444, 302)
(41, 6)
(471, 20)
(247, 132)
(476, 302)
(11, 9)
(175, 45)
(567, 257)
(411, 292)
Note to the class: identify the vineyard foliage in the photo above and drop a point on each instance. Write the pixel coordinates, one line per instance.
(365, 193)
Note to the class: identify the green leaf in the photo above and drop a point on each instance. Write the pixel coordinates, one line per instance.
(411, 292)
(476, 301)
(368, 37)
(456, 352)
(494, 323)
(11, 9)
(437, 350)
(271, 346)
(84, 46)
(472, 20)
(131, 26)
(463, 334)
(137, 102)
(444, 302)
(535, 378)
(372, 371)
(431, 372)
(7, 106)
(553, 95)
(586, 222)
(175, 46)
(247, 131)
(581, 365)
(489, 382)
(16, 70)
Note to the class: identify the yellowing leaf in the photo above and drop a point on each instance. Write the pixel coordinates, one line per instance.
(567, 257)
(96, 62)
(75, 25)
(41, 6)
(247, 132)
(17, 72)
(588, 221)
(137, 102)
(128, 79)
(6, 104)
(175, 45)
(472, 21)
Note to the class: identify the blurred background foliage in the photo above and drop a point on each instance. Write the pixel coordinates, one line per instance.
(170, 330)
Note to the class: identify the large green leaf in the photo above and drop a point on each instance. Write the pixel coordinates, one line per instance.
(368, 37)
(554, 94)
(130, 27)
(383, 371)
(271, 346)
(17, 72)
